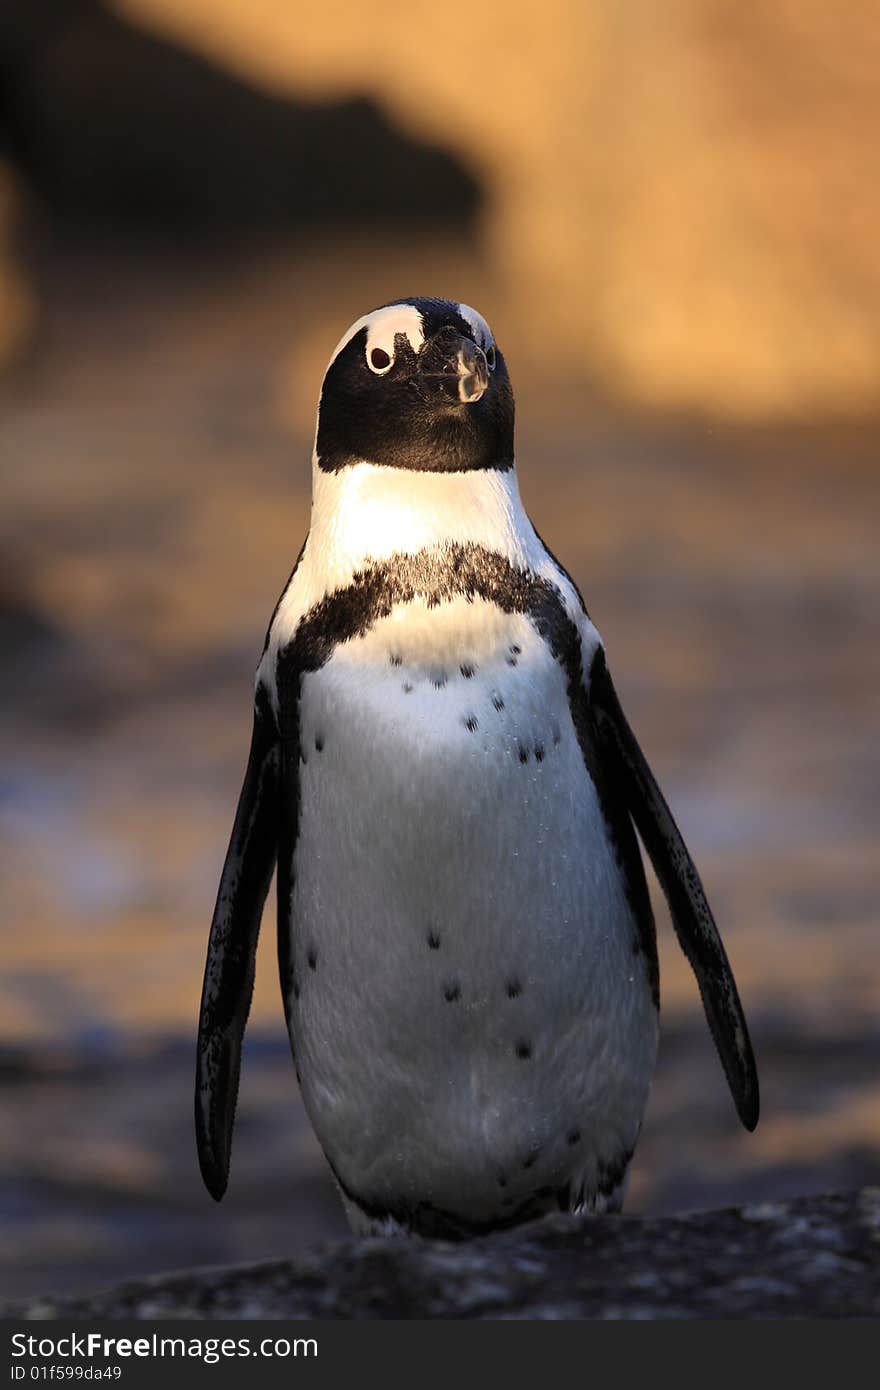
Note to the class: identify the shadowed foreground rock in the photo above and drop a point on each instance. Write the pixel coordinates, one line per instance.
(816, 1257)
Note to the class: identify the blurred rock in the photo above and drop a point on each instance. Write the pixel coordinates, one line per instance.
(684, 202)
(817, 1257)
(17, 310)
(35, 649)
(116, 129)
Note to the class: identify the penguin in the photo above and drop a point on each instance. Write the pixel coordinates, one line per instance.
(442, 772)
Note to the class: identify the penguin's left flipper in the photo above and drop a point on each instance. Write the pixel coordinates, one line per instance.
(232, 946)
(691, 915)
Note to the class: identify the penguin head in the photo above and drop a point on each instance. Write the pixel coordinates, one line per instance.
(417, 384)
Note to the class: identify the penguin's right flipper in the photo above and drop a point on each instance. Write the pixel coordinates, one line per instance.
(232, 946)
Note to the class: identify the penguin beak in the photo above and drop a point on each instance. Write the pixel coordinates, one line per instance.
(473, 372)
(455, 364)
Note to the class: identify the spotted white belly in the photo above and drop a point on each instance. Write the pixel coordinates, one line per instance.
(470, 1019)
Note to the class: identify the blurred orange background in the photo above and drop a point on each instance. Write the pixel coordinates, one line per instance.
(671, 218)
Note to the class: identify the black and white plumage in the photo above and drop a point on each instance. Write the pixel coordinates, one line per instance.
(442, 769)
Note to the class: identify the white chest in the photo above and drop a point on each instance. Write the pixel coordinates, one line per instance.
(467, 995)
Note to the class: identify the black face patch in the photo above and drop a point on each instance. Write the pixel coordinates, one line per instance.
(411, 415)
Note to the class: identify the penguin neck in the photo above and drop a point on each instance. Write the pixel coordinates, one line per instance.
(366, 513)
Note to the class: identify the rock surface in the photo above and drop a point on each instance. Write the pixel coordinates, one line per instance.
(816, 1257)
(117, 131)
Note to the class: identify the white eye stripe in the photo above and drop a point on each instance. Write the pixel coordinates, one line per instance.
(478, 325)
(382, 327)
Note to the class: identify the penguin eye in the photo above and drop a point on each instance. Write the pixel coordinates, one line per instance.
(379, 360)
(490, 357)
